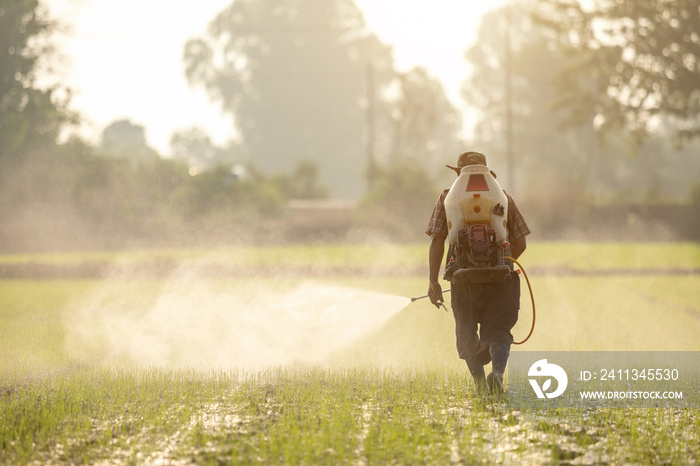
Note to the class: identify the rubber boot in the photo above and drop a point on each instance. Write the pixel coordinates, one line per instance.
(499, 358)
(478, 374)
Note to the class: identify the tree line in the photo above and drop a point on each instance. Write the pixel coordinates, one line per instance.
(604, 99)
(601, 102)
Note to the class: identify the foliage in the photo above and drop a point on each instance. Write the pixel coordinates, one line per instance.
(695, 196)
(124, 139)
(546, 159)
(425, 124)
(400, 201)
(67, 195)
(560, 171)
(554, 170)
(303, 182)
(220, 193)
(292, 74)
(632, 63)
(30, 117)
(194, 146)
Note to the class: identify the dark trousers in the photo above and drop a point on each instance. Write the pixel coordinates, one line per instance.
(484, 314)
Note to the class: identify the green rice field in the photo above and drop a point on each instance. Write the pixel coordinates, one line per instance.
(276, 355)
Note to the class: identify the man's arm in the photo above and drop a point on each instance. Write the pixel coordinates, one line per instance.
(517, 229)
(517, 247)
(437, 230)
(435, 254)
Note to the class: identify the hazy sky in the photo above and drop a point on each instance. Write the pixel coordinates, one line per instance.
(123, 58)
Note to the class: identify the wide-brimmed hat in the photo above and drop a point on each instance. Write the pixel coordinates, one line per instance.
(470, 158)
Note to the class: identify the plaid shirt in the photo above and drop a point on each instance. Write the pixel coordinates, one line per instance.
(517, 228)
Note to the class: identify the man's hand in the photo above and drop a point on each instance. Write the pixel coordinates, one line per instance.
(435, 294)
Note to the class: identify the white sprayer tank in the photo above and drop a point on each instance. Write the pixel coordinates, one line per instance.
(476, 198)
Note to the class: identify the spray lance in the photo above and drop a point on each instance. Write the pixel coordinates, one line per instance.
(425, 295)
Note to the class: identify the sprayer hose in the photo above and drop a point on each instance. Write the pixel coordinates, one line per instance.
(532, 298)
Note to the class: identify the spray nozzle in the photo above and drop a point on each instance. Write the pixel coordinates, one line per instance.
(425, 296)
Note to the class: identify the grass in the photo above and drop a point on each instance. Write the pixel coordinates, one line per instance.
(614, 256)
(397, 395)
(299, 255)
(645, 313)
(316, 416)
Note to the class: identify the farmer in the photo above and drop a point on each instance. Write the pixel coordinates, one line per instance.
(492, 306)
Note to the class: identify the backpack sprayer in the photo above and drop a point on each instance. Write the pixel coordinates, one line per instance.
(477, 210)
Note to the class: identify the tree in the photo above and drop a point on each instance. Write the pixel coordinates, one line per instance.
(29, 116)
(400, 201)
(124, 139)
(632, 62)
(551, 164)
(303, 182)
(561, 171)
(195, 147)
(292, 74)
(425, 123)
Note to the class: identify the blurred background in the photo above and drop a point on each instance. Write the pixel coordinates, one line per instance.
(128, 124)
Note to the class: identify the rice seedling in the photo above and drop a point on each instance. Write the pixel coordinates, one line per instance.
(74, 388)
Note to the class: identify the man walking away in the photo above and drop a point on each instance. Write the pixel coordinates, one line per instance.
(484, 313)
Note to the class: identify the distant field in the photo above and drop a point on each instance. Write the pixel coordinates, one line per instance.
(577, 256)
(166, 369)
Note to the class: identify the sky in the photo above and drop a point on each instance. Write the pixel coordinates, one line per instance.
(123, 58)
